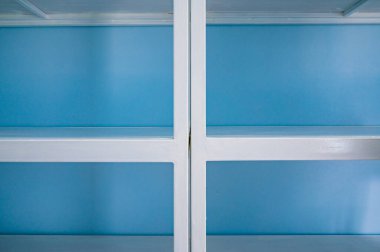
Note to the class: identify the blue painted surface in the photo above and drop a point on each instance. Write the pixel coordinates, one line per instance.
(120, 76)
(86, 76)
(293, 75)
(293, 197)
(86, 198)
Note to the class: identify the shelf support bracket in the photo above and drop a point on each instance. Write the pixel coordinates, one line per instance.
(33, 9)
(353, 8)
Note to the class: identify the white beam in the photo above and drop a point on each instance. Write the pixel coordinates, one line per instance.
(181, 125)
(88, 150)
(353, 8)
(292, 148)
(198, 125)
(33, 8)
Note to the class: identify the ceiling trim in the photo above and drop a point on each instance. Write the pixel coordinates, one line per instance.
(89, 19)
(134, 19)
(290, 18)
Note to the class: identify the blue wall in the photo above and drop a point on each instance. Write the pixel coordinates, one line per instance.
(86, 198)
(293, 75)
(97, 76)
(293, 197)
(257, 75)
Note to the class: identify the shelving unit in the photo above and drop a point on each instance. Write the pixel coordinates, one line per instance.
(270, 143)
(208, 144)
(60, 144)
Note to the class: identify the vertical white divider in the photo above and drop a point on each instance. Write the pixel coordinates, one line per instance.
(181, 124)
(198, 125)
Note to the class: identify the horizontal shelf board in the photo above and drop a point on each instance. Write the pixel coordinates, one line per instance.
(295, 131)
(67, 243)
(292, 143)
(87, 145)
(75, 133)
(294, 243)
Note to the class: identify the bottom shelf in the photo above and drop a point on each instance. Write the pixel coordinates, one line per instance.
(262, 243)
(294, 243)
(68, 243)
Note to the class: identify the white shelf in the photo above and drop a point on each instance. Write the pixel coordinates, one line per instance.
(281, 243)
(153, 12)
(292, 143)
(74, 133)
(67, 243)
(295, 243)
(87, 144)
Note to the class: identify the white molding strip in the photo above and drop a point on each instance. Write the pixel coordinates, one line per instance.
(101, 19)
(130, 19)
(290, 18)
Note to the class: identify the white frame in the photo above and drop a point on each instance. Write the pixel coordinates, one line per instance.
(137, 149)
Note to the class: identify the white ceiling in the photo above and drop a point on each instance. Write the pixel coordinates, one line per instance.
(12, 7)
(371, 6)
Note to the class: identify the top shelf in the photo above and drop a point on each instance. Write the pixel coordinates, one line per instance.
(352, 132)
(160, 12)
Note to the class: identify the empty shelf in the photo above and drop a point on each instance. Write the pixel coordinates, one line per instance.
(294, 243)
(48, 243)
(67, 133)
(86, 144)
(295, 131)
(293, 143)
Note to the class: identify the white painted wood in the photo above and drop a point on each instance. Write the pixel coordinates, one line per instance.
(198, 125)
(101, 6)
(68, 243)
(289, 243)
(294, 243)
(87, 145)
(308, 148)
(75, 133)
(101, 19)
(293, 143)
(167, 19)
(88, 150)
(353, 132)
(181, 125)
(291, 18)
